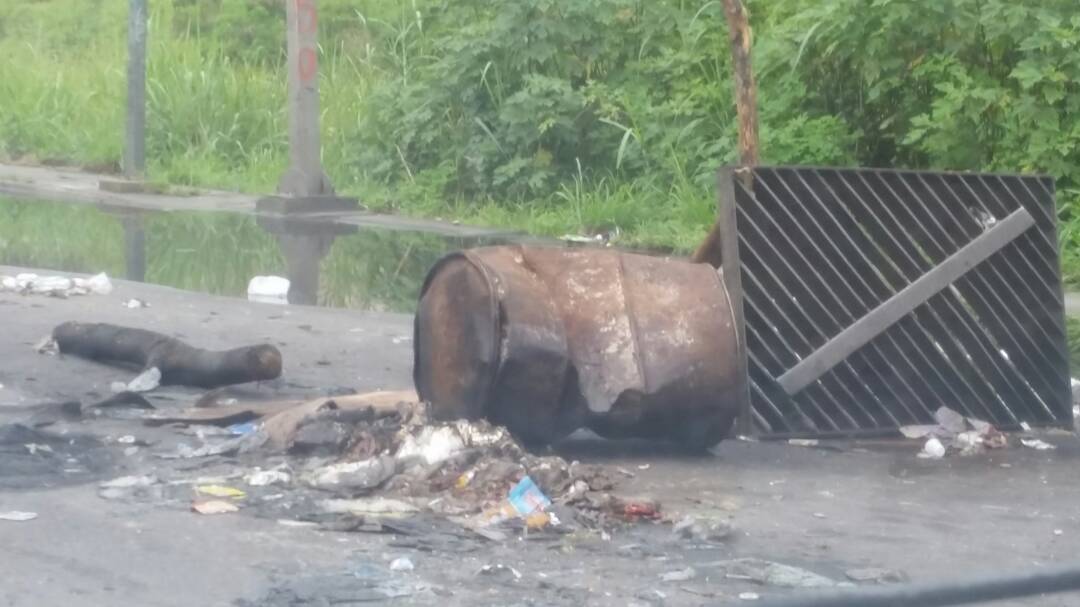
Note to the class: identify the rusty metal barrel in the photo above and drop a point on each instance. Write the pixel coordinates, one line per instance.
(548, 340)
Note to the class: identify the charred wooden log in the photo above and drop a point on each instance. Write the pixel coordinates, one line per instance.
(179, 363)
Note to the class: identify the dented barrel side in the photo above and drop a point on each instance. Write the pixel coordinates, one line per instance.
(627, 345)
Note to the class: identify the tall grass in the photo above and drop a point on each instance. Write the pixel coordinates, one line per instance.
(218, 120)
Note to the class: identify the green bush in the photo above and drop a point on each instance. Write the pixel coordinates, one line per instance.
(558, 115)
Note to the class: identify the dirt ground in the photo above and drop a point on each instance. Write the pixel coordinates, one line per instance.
(829, 509)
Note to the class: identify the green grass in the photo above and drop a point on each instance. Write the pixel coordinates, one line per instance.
(217, 121)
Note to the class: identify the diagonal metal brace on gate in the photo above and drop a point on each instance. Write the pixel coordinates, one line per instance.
(878, 320)
(866, 299)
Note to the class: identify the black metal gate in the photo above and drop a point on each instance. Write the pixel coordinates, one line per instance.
(870, 298)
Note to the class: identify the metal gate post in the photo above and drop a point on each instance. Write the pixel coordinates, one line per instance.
(305, 187)
(135, 135)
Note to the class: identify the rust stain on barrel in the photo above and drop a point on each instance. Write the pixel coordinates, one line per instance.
(628, 345)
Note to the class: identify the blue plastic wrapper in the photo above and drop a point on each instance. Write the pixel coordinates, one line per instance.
(527, 498)
(244, 428)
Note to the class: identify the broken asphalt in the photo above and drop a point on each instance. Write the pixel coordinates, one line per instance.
(833, 509)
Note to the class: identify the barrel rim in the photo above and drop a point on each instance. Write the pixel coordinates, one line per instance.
(493, 307)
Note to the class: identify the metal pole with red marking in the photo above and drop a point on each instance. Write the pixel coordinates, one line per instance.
(305, 187)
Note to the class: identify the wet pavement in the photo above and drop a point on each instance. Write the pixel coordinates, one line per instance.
(831, 509)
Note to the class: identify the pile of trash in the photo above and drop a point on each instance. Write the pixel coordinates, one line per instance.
(355, 462)
(56, 286)
(966, 436)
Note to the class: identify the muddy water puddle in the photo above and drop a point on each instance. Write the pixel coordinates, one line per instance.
(328, 264)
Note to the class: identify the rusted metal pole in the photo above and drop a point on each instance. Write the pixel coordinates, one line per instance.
(135, 135)
(709, 251)
(745, 87)
(305, 176)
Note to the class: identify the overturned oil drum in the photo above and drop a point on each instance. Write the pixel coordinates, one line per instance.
(548, 340)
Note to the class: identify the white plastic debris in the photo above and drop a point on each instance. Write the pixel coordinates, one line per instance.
(269, 289)
(262, 478)
(361, 475)
(432, 445)
(47, 346)
(127, 482)
(146, 381)
(17, 516)
(1037, 444)
(56, 286)
(98, 284)
(680, 575)
(134, 303)
(402, 564)
(933, 449)
(749, 596)
(50, 284)
(367, 505)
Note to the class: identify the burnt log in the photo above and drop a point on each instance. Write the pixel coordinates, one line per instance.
(179, 363)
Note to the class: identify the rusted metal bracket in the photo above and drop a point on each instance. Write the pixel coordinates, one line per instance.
(882, 317)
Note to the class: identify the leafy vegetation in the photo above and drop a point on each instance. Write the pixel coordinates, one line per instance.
(558, 115)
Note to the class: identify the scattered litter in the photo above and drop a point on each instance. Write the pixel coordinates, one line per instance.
(143, 382)
(56, 286)
(371, 505)
(127, 439)
(1026, 427)
(819, 515)
(703, 531)
(803, 442)
(34, 448)
(1059, 532)
(933, 449)
(402, 564)
(220, 491)
(214, 507)
(966, 435)
(133, 304)
(952, 421)
(269, 289)
(749, 596)
(876, 575)
(263, 478)
(353, 477)
(527, 498)
(47, 346)
(285, 522)
(774, 574)
(680, 575)
(643, 467)
(432, 445)
(1037, 444)
(499, 569)
(127, 482)
(17, 516)
(242, 429)
(239, 444)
